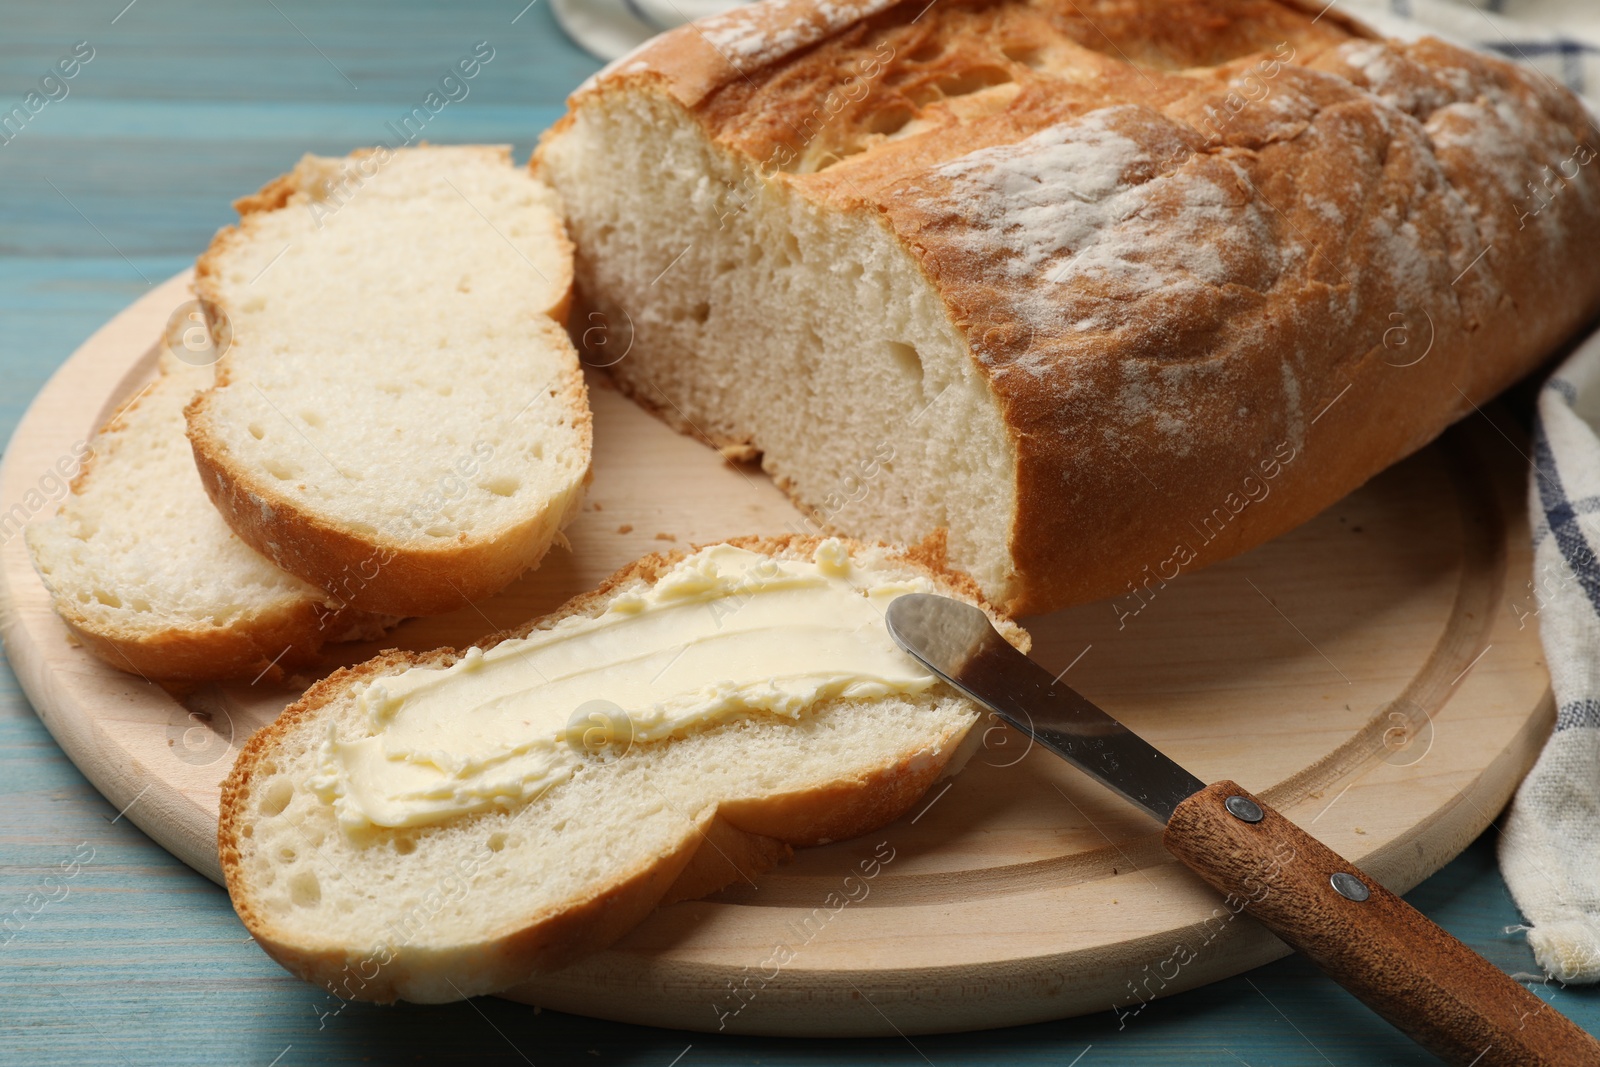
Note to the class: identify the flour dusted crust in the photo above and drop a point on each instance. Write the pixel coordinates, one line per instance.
(1220, 261)
(738, 838)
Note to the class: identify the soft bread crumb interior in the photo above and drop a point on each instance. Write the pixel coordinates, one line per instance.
(137, 549)
(394, 364)
(434, 896)
(756, 318)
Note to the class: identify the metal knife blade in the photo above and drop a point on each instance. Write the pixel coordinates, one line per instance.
(957, 642)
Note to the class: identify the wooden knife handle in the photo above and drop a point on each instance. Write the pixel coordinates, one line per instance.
(1446, 997)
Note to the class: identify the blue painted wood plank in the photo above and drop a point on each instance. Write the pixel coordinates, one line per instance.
(222, 123)
(113, 952)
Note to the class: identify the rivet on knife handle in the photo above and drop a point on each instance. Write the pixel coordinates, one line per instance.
(1446, 997)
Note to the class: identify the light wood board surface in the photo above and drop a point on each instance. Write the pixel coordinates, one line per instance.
(1372, 674)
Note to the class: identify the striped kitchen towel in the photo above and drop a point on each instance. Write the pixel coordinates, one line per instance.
(1560, 38)
(1550, 847)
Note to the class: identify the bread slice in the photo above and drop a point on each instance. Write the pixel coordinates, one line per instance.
(481, 902)
(147, 575)
(401, 419)
(1110, 289)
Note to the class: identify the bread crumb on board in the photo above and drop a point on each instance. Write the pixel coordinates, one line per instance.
(666, 537)
(740, 453)
(626, 527)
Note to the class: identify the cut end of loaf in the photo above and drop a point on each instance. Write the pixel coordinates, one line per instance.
(401, 419)
(481, 902)
(1088, 271)
(771, 328)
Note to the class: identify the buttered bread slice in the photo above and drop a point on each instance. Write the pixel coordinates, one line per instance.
(144, 571)
(430, 827)
(401, 419)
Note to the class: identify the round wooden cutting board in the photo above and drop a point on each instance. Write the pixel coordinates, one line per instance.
(1376, 675)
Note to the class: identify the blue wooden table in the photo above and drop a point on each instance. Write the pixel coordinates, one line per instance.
(116, 181)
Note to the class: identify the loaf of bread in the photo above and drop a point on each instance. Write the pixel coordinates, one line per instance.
(144, 571)
(401, 419)
(1109, 289)
(483, 899)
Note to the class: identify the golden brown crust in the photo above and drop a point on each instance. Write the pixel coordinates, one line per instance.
(382, 575)
(724, 855)
(267, 645)
(272, 195)
(839, 810)
(751, 833)
(1291, 203)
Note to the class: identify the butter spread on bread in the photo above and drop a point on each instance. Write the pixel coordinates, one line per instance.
(723, 632)
(479, 900)
(1059, 275)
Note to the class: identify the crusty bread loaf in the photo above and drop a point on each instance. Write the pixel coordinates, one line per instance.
(144, 571)
(401, 419)
(480, 902)
(1111, 289)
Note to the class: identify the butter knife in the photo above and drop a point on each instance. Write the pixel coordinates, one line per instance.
(1436, 990)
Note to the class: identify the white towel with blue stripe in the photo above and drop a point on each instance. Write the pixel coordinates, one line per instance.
(1550, 845)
